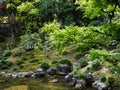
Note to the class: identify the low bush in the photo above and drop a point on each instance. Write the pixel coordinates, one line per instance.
(83, 62)
(96, 65)
(103, 78)
(44, 65)
(5, 64)
(65, 61)
(78, 56)
(32, 60)
(3, 58)
(81, 75)
(19, 62)
(9, 63)
(54, 62)
(97, 54)
(110, 80)
(8, 53)
(89, 69)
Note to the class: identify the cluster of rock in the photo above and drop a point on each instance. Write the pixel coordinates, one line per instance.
(63, 70)
(87, 82)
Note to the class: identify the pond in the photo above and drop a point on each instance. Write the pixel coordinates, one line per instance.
(35, 84)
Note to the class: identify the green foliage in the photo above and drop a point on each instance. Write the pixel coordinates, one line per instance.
(9, 63)
(48, 29)
(54, 62)
(2, 58)
(98, 54)
(7, 54)
(74, 35)
(96, 65)
(65, 61)
(19, 62)
(110, 80)
(103, 78)
(115, 69)
(112, 30)
(32, 60)
(44, 65)
(5, 64)
(78, 56)
(75, 70)
(81, 75)
(95, 8)
(89, 69)
(83, 62)
(29, 40)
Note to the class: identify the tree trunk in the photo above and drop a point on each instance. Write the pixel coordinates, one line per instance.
(12, 35)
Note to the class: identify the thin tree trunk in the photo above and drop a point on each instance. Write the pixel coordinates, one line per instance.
(12, 35)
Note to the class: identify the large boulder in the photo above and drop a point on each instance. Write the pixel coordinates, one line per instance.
(70, 79)
(99, 85)
(64, 69)
(52, 71)
(39, 73)
(89, 79)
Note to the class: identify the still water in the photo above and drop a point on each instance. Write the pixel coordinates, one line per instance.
(35, 84)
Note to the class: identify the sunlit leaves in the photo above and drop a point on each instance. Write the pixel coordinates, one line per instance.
(79, 36)
(51, 27)
(34, 11)
(93, 8)
(25, 7)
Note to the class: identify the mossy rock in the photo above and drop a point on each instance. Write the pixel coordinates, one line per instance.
(65, 61)
(44, 65)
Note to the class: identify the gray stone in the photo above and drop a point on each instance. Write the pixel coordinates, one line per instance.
(80, 84)
(63, 69)
(52, 71)
(99, 85)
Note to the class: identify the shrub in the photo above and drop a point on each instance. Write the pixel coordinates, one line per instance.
(45, 65)
(89, 69)
(81, 75)
(9, 63)
(110, 80)
(78, 56)
(7, 54)
(54, 62)
(102, 78)
(97, 54)
(3, 61)
(4, 67)
(65, 61)
(96, 64)
(2, 58)
(83, 62)
(4, 64)
(32, 60)
(19, 62)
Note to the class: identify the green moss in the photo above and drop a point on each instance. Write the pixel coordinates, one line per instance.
(65, 61)
(32, 60)
(83, 62)
(44, 65)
